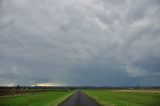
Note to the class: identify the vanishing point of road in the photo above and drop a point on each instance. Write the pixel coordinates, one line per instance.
(79, 99)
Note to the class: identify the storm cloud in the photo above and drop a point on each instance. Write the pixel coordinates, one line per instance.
(82, 42)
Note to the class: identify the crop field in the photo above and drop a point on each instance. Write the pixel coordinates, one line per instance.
(43, 98)
(103, 97)
(125, 97)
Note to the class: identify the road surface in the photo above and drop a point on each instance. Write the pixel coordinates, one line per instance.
(79, 99)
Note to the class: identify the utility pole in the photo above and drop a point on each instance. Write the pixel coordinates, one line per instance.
(66, 88)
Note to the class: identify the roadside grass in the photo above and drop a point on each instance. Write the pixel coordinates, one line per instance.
(43, 98)
(119, 98)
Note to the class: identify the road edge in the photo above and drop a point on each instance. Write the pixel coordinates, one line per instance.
(66, 98)
(93, 98)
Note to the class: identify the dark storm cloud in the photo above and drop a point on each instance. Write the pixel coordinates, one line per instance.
(84, 42)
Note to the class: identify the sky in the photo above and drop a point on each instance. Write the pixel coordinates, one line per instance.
(80, 42)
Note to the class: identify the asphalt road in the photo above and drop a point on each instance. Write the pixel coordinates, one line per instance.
(79, 99)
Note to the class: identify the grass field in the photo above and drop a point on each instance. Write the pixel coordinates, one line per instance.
(125, 97)
(43, 98)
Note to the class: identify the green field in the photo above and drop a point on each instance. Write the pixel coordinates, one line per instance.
(125, 98)
(43, 98)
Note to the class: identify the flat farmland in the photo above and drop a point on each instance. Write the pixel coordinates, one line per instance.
(43, 98)
(125, 97)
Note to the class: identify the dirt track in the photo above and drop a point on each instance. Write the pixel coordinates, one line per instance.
(79, 99)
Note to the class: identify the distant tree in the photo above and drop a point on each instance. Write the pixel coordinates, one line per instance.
(137, 86)
(18, 87)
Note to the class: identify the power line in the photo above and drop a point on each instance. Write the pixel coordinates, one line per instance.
(20, 44)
